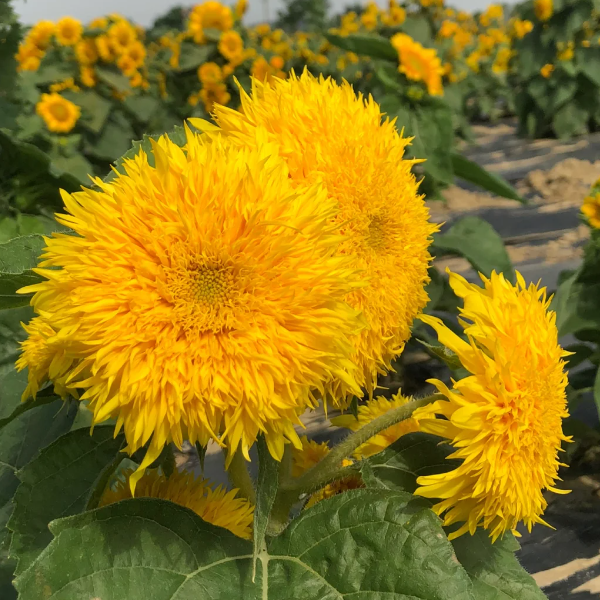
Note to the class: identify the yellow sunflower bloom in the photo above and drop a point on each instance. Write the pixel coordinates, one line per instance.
(87, 75)
(86, 51)
(59, 114)
(370, 411)
(241, 6)
(231, 45)
(521, 28)
(543, 9)
(68, 31)
(419, 63)
(41, 34)
(209, 15)
(591, 209)
(214, 505)
(28, 57)
(98, 23)
(210, 73)
(105, 49)
(121, 35)
(136, 52)
(382, 218)
(211, 94)
(208, 304)
(546, 70)
(505, 419)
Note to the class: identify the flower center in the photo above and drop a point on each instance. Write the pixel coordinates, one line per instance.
(60, 112)
(375, 233)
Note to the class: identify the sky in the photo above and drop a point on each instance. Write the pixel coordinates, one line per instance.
(144, 12)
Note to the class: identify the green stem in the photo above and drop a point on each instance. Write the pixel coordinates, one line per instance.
(240, 477)
(329, 468)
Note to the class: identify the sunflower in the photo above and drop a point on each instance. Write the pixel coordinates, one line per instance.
(68, 31)
(419, 63)
(231, 46)
(370, 411)
(98, 23)
(28, 57)
(105, 49)
(86, 51)
(127, 64)
(136, 52)
(59, 114)
(211, 94)
(210, 304)
(382, 219)
(41, 34)
(591, 209)
(214, 505)
(121, 35)
(505, 418)
(543, 9)
(520, 28)
(87, 76)
(209, 15)
(241, 6)
(210, 73)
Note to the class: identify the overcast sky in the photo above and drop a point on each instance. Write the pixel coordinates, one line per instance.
(145, 11)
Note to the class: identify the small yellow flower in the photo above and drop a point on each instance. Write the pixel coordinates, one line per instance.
(28, 57)
(209, 15)
(98, 23)
(121, 35)
(68, 31)
(86, 51)
(105, 48)
(210, 73)
(546, 70)
(543, 9)
(136, 80)
(419, 63)
(277, 62)
(127, 64)
(87, 75)
(500, 64)
(370, 411)
(67, 84)
(136, 52)
(473, 61)
(241, 6)
(566, 51)
(448, 29)
(504, 419)
(369, 20)
(214, 505)
(59, 114)
(231, 45)
(214, 94)
(41, 34)
(521, 28)
(263, 29)
(591, 209)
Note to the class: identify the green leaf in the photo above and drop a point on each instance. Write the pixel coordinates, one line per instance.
(361, 544)
(470, 171)
(141, 107)
(17, 259)
(266, 490)
(419, 29)
(494, 568)
(21, 440)
(479, 243)
(362, 44)
(11, 334)
(53, 73)
(589, 63)
(77, 165)
(57, 484)
(388, 75)
(444, 354)
(413, 455)
(597, 390)
(114, 140)
(570, 120)
(114, 79)
(95, 110)
(192, 56)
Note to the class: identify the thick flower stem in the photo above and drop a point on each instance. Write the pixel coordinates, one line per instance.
(240, 477)
(329, 468)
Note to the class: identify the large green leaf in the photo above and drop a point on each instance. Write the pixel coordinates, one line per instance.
(142, 107)
(114, 140)
(57, 484)
(363, 544)
(363, 44)
(11, 334)
(399, 465)
(95, 110)
(192, 56)
(494, 568)
(570, 120)
(113, 79)
(17, 259)
(479, 243)
(470, 171)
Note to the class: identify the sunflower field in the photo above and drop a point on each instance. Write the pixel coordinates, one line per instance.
(210, 230)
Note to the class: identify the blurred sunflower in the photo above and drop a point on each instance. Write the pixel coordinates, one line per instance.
(505, 418)
(214, 505)
(214, 93)
(59, 114)
(87, 76)
(41, 34)
(543, 9)
(121, 35)
(209, 15)
(105, 49)
(419, 63)
(86, 51)
(231, 46)
(370, 411)
(28, 57)
(591, 209)
(209, 304)
(382, 219)
(68, 31)
(210, 73)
